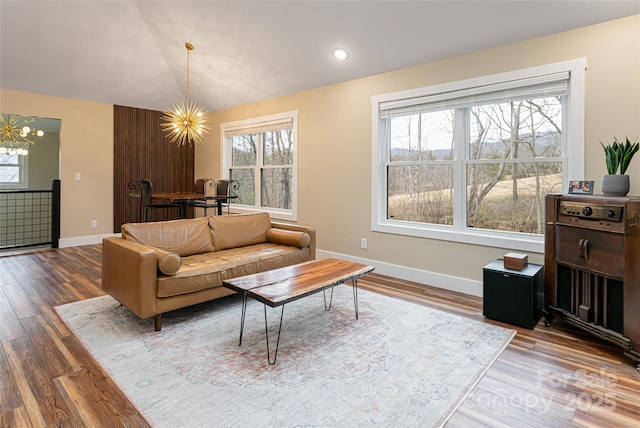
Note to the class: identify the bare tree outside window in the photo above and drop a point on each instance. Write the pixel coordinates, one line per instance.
(420, 174)
(509, 152)
(243, 161)
(509, 196)
(266, 158)
(260, 153)
(276, 175)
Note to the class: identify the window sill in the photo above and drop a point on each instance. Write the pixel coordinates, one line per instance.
(515, 241)
(9, 187)
(273, 213)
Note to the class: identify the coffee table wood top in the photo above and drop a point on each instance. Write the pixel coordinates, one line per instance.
(280, 286)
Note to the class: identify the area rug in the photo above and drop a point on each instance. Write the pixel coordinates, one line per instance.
(399, 364)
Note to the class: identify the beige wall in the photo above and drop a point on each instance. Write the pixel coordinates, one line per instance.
(335, 144)
(86, 146)
(335, 139)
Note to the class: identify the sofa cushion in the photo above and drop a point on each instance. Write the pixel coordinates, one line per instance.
(197, 272)
(203, 271)
(288, 237)
(184, 237)
(239, 230)
(261, 258)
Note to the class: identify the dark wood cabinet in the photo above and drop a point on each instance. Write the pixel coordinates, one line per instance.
(592, 273)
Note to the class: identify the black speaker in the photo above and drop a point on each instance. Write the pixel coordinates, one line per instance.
(513, 296)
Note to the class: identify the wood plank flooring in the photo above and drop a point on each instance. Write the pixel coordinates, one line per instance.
(547, 377)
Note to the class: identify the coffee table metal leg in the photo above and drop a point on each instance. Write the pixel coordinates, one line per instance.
(325, 299)
(266, 333)
(244, 312)
(355, 295)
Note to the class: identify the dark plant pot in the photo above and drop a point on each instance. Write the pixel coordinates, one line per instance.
(615, 184)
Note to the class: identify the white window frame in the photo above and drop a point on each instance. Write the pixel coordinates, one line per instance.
(23, 182)
(573, 155)
(277, 213)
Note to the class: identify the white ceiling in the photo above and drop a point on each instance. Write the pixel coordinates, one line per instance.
(132, 52)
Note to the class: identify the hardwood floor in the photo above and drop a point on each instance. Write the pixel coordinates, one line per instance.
(547, 377)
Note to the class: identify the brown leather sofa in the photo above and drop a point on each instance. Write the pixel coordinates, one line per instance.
(162, 266)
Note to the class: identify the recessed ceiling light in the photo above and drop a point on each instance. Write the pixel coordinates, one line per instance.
(340, 54)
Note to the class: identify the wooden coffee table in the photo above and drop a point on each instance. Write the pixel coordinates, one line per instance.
(280, 286)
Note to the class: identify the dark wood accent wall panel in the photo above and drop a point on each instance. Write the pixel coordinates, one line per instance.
(141, 150)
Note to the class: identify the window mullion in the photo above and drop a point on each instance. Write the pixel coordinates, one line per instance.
(461, 154)
(258, 170)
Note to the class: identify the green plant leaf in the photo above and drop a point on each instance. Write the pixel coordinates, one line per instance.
(619, 155)
(627, 154)
(610, 157)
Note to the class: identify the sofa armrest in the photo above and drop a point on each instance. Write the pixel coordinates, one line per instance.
(130, 274)
(300, 228)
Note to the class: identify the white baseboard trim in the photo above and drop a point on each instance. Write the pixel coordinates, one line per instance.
(446, 282)
(77, 241)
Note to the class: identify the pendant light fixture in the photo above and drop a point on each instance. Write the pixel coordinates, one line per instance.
(15, 134)
(186, 122)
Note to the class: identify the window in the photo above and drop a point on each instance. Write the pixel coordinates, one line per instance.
(471, 161)
(261, 155)
(13, 170)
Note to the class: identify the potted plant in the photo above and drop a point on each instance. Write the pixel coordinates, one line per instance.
(617, 157)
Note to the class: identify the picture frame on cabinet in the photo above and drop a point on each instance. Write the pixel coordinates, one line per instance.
(581, 186)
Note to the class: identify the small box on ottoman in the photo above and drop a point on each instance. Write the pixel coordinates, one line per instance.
(515, 261)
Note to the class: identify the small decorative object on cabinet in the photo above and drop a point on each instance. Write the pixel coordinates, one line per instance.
(513, 296)
(516, 261)
(592, 266)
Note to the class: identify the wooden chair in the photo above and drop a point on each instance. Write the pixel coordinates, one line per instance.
(201, 187)
(227, 187)
(145, 187)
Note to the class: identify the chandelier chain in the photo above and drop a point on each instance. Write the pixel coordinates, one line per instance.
(189, 47)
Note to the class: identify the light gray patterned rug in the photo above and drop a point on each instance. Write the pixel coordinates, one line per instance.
(399, 364)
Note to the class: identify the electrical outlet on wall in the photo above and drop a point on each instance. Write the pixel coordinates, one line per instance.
(363, 243)
(94, 224)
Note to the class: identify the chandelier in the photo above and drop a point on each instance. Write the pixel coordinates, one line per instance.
(16, 135)
(185, 123)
